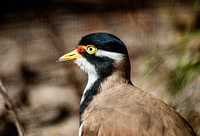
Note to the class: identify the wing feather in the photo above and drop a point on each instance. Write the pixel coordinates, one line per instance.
(133, 113)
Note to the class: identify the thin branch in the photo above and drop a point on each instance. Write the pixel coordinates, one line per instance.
(11, 110)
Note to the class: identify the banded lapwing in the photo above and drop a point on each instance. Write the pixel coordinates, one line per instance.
(111, 105)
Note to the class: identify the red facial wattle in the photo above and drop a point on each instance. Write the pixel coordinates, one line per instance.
(80, 49)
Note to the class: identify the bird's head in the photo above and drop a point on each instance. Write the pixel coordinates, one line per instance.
(101, 54)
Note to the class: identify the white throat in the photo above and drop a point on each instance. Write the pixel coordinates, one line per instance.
(90, 69)
(92, 74)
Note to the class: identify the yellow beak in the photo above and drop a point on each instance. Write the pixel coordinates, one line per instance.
(70, 56)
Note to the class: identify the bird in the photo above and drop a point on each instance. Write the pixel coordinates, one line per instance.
(111, 105)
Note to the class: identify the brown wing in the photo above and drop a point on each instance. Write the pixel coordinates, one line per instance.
(133, 113)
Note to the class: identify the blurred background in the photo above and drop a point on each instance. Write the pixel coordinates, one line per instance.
(162, 37)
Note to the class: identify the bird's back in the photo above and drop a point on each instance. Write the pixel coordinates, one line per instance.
(110, 105)
(125, 110)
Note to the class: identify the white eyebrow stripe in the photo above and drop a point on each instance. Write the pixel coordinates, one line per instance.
(112, 55)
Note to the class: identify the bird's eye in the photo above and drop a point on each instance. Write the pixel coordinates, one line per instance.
(91, 49)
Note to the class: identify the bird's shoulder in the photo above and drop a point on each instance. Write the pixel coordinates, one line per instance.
(127, 110)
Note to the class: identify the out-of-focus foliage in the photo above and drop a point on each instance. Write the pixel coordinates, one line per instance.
(162, 38)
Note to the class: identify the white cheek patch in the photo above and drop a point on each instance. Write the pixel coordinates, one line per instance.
(90, 69)
(85, 65)
(112, 55)
(92, 74)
